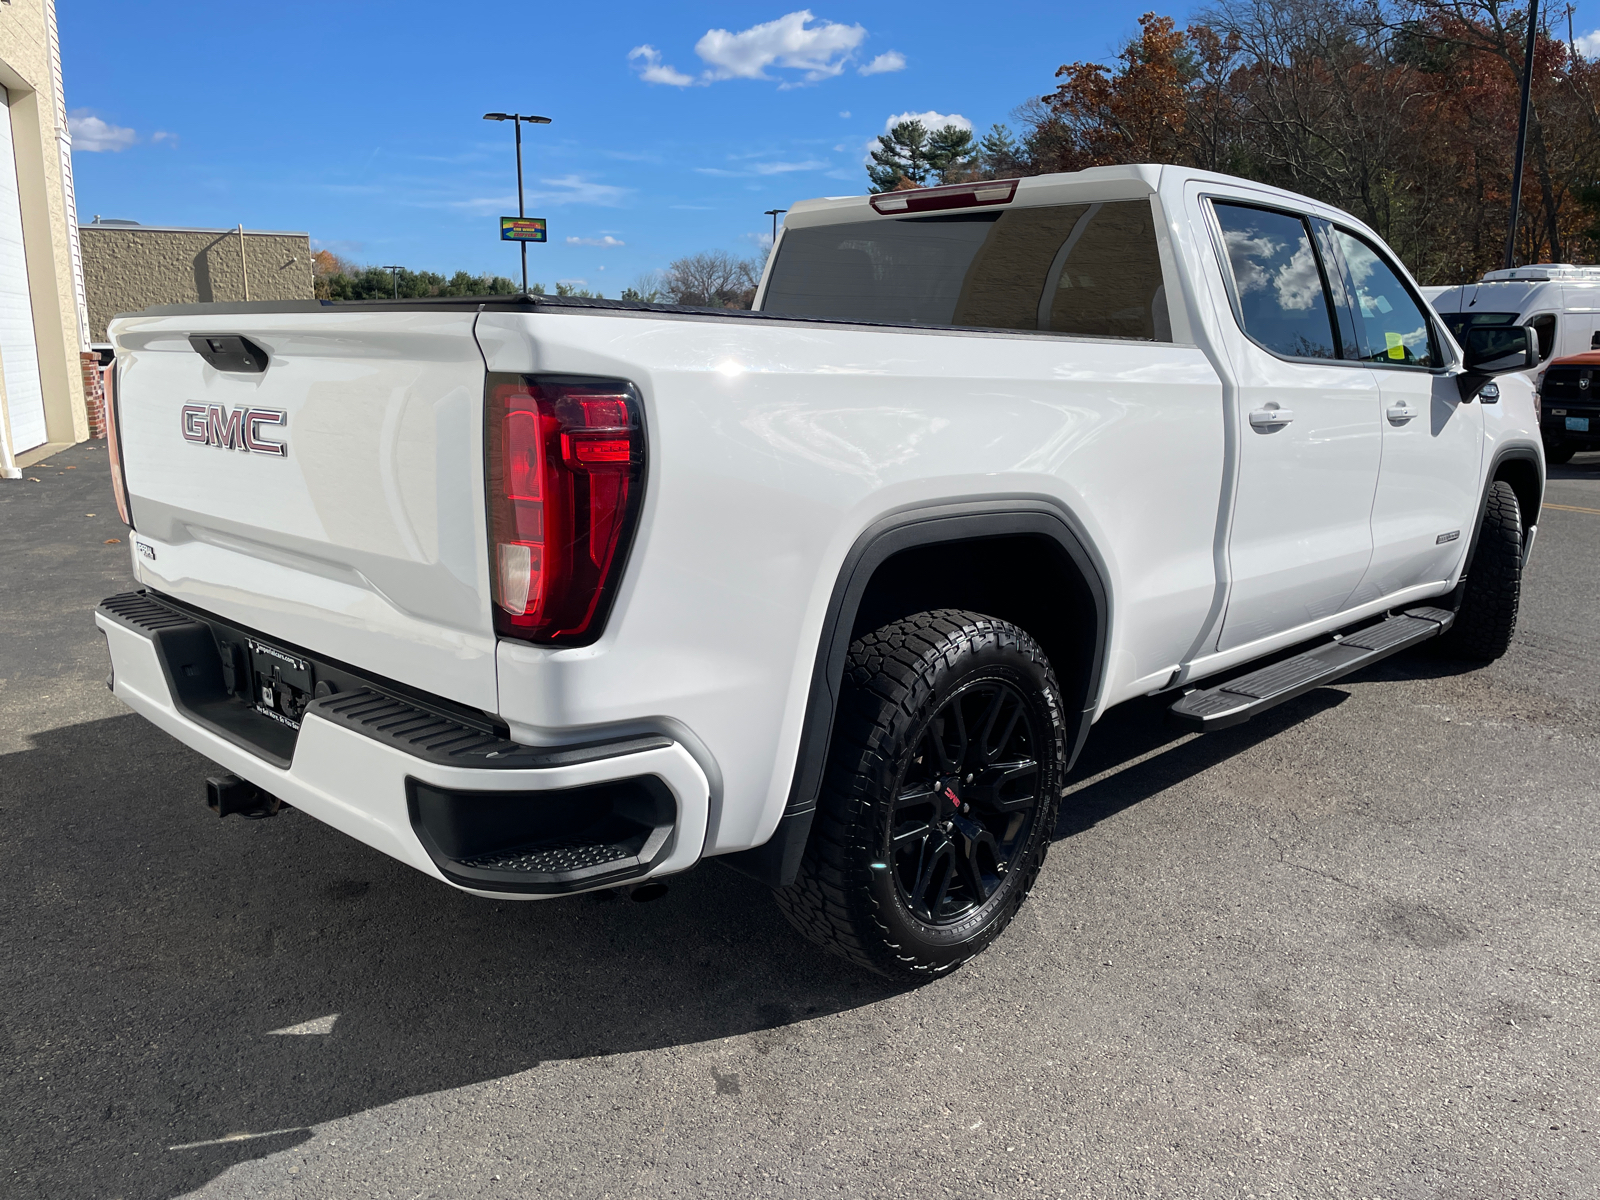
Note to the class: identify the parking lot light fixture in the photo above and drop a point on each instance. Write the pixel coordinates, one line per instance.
(516, 120)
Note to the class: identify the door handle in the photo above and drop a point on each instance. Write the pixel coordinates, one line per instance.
(1401, 412)
(1267, 418)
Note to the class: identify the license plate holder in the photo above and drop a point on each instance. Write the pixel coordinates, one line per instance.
(1577, 424)
(282, 683)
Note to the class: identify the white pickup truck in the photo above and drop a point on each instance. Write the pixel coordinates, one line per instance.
(543, 595)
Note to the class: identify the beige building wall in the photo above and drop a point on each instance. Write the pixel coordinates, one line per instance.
(130, 267)
(30, 70)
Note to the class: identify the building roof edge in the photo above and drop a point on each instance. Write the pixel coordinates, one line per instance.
(105, 228)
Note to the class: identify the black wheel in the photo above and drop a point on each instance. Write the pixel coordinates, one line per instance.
(940, 798)
(1556, 453)
(1488, 614)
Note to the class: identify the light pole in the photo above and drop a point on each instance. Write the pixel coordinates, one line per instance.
(516, 120)
(774, 213)
(395, 272)
(1522, 134)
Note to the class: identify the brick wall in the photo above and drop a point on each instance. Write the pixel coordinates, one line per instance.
(94, 393)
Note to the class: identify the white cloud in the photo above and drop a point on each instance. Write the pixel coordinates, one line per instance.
(790, 42)
(90, 133)
(653, 70)
(930, 120)
(767, 168)
(574, 189)
(845, 115)
(607, 240)
(1589, 44)
(568, 189)
(161, 135)
(783, 168)
(797, 41)
(891, 60)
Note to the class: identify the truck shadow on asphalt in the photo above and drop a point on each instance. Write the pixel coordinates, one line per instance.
(154, 951)
(1134, 752)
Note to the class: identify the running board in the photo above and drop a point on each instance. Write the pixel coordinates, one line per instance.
(1238, 700)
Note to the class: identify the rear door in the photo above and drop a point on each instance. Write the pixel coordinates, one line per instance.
(1308, 435)
(333, 501)
(1427, 496)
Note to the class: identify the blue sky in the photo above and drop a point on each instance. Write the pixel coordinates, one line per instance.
(675, 126)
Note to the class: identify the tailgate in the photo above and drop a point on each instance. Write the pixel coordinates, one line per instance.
(363, 538)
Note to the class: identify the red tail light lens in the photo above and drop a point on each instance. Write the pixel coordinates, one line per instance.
(565, 463)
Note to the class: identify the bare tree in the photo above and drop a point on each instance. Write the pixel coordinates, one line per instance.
(712, 279)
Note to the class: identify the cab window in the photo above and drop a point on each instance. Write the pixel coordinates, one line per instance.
(1282, 303)
(1392, 329)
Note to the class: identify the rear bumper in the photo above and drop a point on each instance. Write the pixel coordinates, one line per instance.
(363, 779)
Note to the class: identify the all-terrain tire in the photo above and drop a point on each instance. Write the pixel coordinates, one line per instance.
(862, 891)
(1487, 617)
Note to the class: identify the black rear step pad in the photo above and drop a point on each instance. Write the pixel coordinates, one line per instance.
(1238, 700)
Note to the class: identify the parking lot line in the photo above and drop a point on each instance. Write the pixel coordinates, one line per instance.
(1573, 508)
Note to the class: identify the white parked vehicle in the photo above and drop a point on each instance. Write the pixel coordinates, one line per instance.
(1560, 302)
(541, 595)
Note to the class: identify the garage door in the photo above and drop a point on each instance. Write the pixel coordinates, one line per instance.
(19, 353)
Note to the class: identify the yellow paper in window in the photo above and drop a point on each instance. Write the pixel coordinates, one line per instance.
(1397, 346)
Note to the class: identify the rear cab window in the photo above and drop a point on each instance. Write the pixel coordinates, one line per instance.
(1277, 282)
(1091, 270)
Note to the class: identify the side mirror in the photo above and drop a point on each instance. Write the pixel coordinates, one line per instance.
(1496, 349)
(1493, 350)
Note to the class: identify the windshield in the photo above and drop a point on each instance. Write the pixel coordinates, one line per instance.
(1088, 269)
(1459, 323)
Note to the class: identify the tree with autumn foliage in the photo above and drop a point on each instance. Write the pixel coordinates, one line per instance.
(1403, 112)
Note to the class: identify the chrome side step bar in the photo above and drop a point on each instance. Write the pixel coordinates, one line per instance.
(1238, 700)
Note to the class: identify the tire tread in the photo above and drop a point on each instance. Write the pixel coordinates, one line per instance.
(1487, 618)
(889, 675)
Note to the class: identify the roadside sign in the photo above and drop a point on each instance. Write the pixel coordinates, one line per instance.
(522, 229)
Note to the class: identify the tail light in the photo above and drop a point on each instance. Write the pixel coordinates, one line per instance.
(119, 482)
(565, 469)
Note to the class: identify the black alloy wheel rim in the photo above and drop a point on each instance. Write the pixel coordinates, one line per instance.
(964, 810)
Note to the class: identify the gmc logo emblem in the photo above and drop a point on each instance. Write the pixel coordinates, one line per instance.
(214, 425)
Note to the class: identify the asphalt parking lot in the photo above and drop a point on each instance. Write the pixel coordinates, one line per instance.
(1351, 949)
